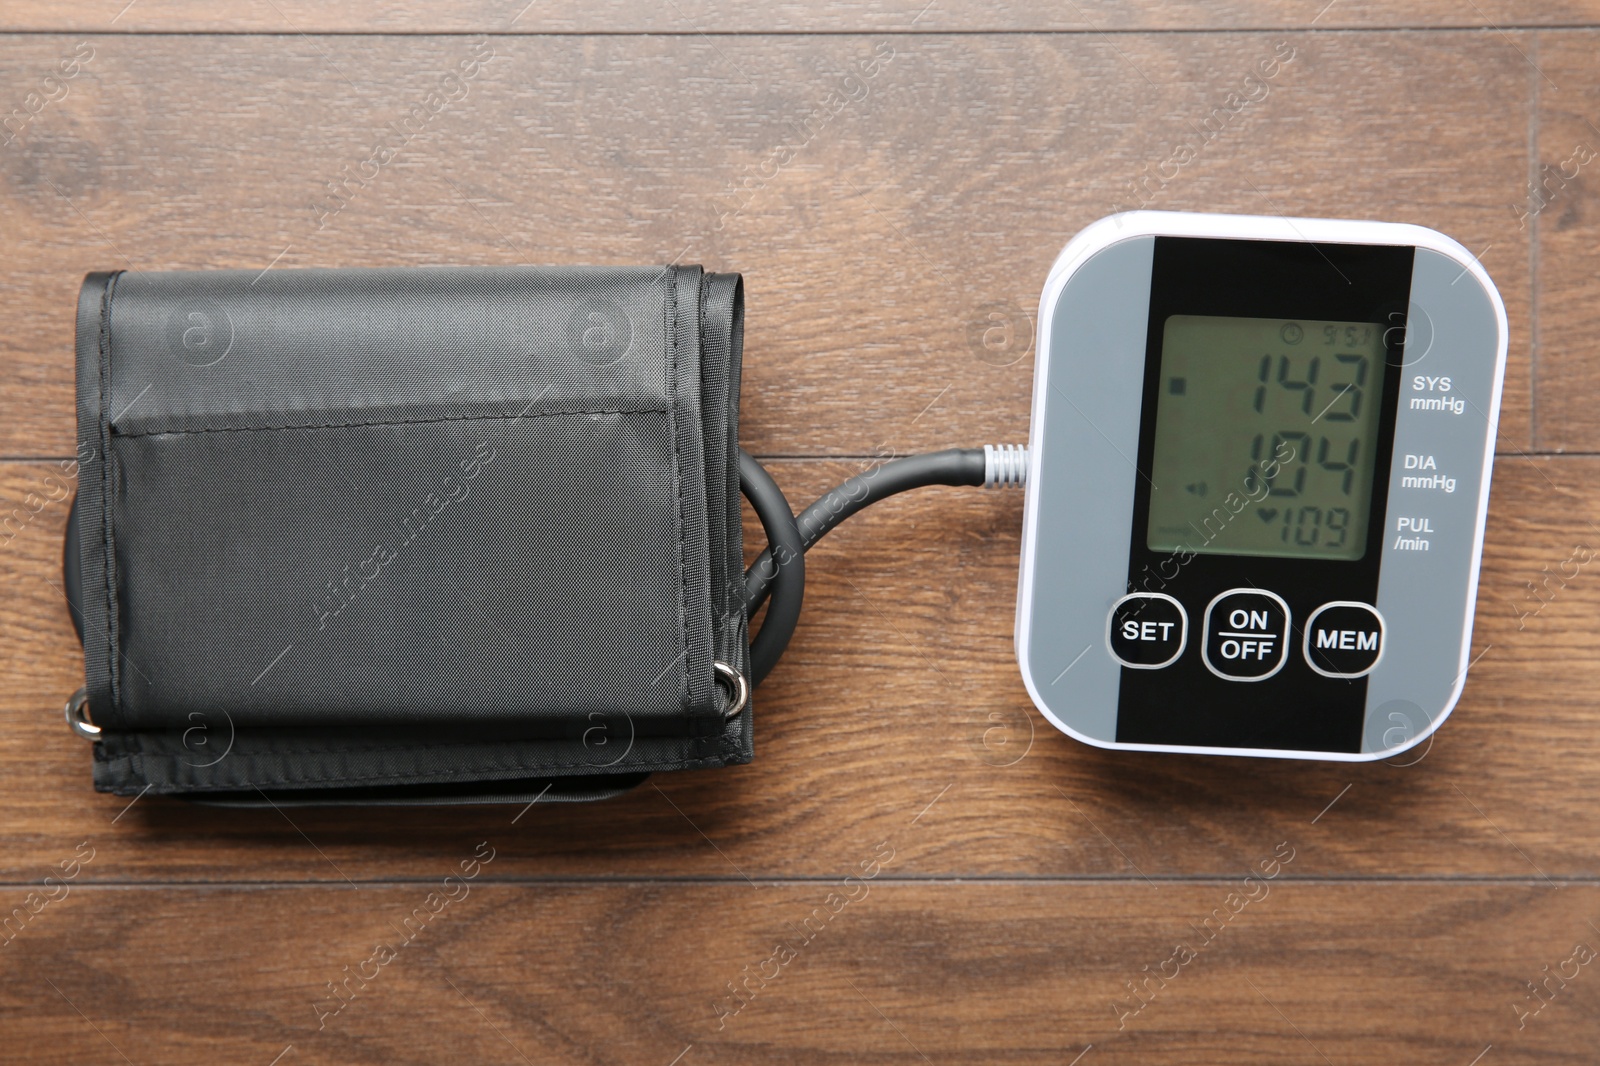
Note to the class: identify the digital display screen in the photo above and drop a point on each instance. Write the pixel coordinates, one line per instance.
(1266, 431)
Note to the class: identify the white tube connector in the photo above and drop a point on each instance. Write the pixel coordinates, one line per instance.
(1004, 465)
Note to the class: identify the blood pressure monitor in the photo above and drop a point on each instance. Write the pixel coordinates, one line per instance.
(1258, 472)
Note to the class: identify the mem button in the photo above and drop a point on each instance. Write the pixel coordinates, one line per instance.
(1246, 635)
(1344, 639)
(1147, 630)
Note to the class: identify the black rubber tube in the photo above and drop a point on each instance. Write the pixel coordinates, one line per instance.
(789, 538)
(956, 466)
(786, 576)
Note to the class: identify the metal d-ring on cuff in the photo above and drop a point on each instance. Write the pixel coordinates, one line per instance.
(738, 688)
(78, 715)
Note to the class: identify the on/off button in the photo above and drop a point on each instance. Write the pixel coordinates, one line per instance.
(1246, 635)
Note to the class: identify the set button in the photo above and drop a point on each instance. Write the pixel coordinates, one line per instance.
(1147, 630)
(1344, 639)
(1246, 635)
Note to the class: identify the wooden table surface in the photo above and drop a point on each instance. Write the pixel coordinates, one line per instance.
(894, 229)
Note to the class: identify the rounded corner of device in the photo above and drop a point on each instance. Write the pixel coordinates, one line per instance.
(1103, 743)
(1434, 724)
(1438, 721)
(1089, 242)
(1433, 240)
(1049, 715)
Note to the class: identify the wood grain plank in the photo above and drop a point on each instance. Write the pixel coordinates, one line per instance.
(885, 972)
(894, 249)
(789, 16)
(1561, 205)
(898, 701)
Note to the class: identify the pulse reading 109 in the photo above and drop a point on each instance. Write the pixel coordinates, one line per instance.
(1265, 436)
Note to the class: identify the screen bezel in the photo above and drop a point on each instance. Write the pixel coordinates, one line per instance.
(1223, 277)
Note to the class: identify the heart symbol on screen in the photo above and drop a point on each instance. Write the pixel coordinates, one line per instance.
(1267, 514)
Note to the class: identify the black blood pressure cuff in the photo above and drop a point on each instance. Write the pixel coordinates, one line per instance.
(435, 535)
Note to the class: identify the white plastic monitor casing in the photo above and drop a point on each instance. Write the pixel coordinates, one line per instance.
(1090, 726)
